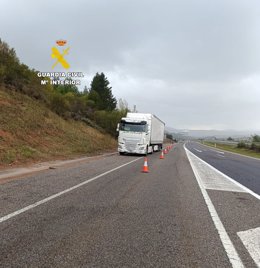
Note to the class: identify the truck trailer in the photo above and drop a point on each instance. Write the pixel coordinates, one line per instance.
(140, 133)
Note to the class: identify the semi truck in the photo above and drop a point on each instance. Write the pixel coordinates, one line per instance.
(140, 133)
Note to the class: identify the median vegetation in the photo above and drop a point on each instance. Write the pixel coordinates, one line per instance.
(248, 148)
(253, 146)
(45, 121)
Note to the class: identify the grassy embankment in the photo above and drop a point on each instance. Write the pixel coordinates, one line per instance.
(233, 148)
(30, 132)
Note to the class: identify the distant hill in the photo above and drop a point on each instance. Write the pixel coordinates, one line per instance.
(212, 133)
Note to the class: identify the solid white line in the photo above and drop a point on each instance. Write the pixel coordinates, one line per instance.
(15, 213)
(234, 181)
(242, 155)
(213, 180)
(251, 240)
(227, 243)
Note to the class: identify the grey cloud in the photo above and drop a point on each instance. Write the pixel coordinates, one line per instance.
(195, 63)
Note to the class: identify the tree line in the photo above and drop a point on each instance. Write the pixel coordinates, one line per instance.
(96, 106)
(254, 146)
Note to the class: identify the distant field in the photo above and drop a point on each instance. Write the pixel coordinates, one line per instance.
(233, 148)
(30, 132)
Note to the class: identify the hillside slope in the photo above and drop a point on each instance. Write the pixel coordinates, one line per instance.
(30, 132)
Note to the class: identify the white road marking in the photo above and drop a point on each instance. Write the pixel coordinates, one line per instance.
(251, 240)
(220, 152)
(227, 177)
(15, 213)
(241, 155)
(220, 155)
(227, 243)
(212, 179)
(197, 150)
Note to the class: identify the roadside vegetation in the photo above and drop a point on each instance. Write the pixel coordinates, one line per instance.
(44, 121)
(169, 138)
(253, 146)
(31, 132)
(242, 147)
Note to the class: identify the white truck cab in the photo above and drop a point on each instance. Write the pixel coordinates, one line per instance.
(140, 134)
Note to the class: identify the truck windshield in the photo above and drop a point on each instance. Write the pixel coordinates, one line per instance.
(135, 127)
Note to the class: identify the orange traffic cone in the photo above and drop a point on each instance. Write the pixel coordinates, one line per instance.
(162, 155)
(165, 151)
(145, 166)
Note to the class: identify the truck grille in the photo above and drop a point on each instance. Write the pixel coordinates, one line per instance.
(131, 144)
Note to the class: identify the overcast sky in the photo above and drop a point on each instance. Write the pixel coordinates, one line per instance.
(194, 64)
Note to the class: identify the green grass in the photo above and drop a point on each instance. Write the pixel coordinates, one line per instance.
(233, 148)
(30, 132)
(8, 157)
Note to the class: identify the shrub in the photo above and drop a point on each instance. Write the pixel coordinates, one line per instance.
(256, 138)
(109, 120)
(59, 104)
(242, 144)
(255, 147)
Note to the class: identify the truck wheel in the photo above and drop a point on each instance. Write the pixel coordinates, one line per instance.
(121, 153)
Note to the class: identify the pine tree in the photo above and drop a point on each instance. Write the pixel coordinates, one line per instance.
(102, 94)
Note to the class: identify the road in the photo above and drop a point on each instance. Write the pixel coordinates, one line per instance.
(104, 212)
(244, 170)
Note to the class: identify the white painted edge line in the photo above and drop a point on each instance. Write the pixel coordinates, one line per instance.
(251, 240)
(226, 176)
(242, 155)
(227, 243)
(15, 213)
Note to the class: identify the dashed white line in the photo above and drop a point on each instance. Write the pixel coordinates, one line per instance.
(220, 152)
(237, 154)
(197, 150)
(45, 200)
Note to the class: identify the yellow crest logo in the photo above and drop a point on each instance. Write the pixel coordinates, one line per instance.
(56, 54)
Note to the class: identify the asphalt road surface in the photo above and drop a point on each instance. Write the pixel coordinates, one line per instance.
(244, 170)
(104, 212)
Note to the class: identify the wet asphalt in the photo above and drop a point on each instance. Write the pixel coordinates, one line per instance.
(124, 218)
